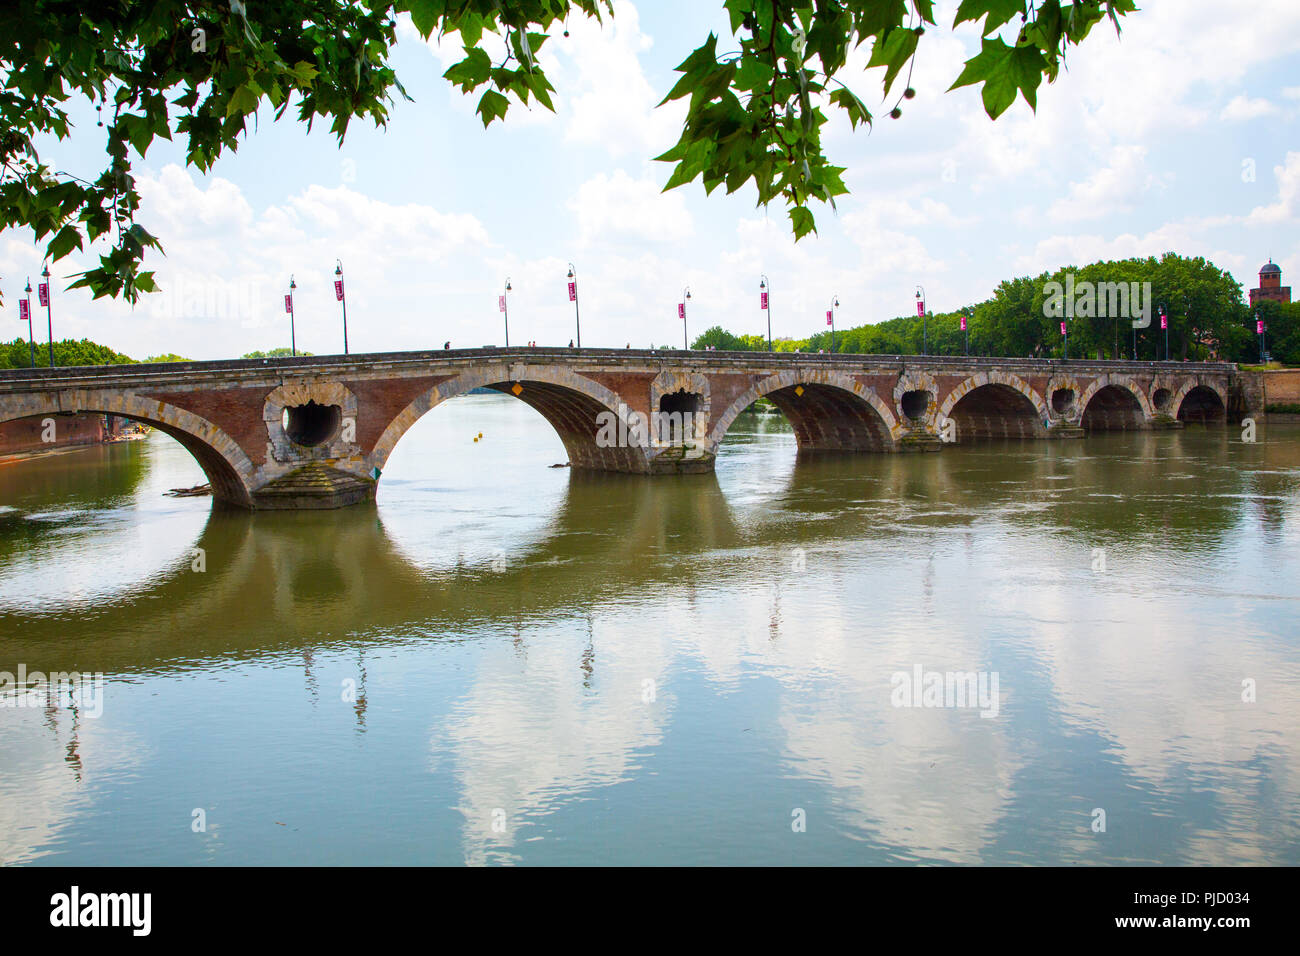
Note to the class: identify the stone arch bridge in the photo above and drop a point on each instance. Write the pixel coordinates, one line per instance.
(316, 431)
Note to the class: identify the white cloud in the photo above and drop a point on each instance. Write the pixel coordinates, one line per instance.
(1287, 207)
(1112, 188)
(620, 207)
(1242, 107)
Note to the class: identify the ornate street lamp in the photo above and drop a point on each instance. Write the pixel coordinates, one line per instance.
(573, 297)
(342, 297)
(830, 319)
(765, 303)
(25, 312)
(288, 307)
(681, 311)
(925, 326)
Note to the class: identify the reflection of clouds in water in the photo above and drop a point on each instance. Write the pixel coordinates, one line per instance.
(1155, 671)
(94, 555)
(933, 782)
(50, 772)
(1125, 658)
(530, 736)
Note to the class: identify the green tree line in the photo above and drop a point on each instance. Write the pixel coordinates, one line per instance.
(1206, 316)
(70, 352)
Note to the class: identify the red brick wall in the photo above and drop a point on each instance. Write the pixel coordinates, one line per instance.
(632, 387)
(380, 401)
(725, 388)
(236, 411)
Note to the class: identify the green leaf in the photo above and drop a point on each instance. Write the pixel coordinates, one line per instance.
(994, 12)
(492, 105)
(1004, 70)
(801, 218)
(67, 239)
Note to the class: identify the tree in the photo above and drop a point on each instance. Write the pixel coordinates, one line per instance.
(67, 352)
(201, 69)
(1207, 319)
(281, 352)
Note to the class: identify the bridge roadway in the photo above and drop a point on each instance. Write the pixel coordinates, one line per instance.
(316, 431)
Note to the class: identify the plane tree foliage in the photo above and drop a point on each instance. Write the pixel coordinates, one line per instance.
(204, 72)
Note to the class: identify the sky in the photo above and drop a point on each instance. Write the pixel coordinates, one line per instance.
(1178, 135)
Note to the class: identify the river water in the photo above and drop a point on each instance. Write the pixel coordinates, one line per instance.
(504, 662)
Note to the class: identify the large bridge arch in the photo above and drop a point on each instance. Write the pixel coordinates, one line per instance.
(573, 404)
(995, 404)
(225, 464)
(830, 411)
(1127, 388)
(1181, 408)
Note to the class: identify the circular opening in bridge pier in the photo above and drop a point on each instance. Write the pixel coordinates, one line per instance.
(916, 403)
(1161, 400)
(1062, 400)
(311, 424)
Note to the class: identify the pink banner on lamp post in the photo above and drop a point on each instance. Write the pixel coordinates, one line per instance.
(963, 323)
(43, 292)
(573, 291)
(920, 307)
(24, 311)
(288, 304)
(338, 289)
(762, 300)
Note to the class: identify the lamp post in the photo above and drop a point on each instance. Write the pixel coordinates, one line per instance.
(681, 310)
(1135, 343)
(966, 315)
(1164, 324)
(1259, 330)
(25, 312)
(765, 303)
(505, 309)
(341, 295)
(830, 319)
(925, 322)
(573, 297)
(43, 291)
(288, 307)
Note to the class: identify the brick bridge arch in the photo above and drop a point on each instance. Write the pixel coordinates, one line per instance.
(1124, 383)
(834, 411)
(1176, 403)
(571, 403)
(227, 467)
(1006, 417)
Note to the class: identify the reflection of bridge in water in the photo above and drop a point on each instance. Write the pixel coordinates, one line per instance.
(315, 432)
(274, 588)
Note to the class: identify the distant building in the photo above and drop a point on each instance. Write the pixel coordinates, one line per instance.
(1270, 285)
